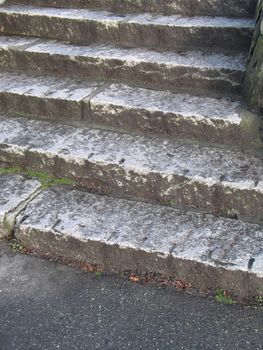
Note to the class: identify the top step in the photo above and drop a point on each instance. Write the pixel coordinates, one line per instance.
(226, 8)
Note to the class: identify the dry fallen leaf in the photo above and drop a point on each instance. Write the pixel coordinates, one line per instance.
(134, 278)
(182, 285)
(87, 267)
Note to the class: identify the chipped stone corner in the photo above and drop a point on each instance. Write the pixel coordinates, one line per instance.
(16, 191)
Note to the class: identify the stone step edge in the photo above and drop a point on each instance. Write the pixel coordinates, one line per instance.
(210, 179)
(120, 107)
(171, 7)
(146, 30)
(60, 226)
(187, 71)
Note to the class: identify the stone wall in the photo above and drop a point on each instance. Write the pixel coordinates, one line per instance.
(253, 84)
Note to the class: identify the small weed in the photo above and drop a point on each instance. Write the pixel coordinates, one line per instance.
(259, 300)
(16, 247)
(98, 273)
(224, 297)
(228, 213)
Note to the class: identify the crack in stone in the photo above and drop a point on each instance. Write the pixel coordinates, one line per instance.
(10, 218)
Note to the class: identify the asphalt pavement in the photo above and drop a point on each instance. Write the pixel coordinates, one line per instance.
(46, 306)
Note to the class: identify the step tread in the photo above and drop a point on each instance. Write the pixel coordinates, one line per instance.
(143, 19)
(170, 233)
(195, 21)
(230, 8)
(144, 155)
(46, 86)
(77, 14)
(235, 62)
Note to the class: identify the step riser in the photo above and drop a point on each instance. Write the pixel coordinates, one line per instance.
(55, 109)
(127, 34)
(229, 8)
(172, 190)
(140, 73)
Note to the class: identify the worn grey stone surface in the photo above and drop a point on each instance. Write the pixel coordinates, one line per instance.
(216, 180)
(121, 107)
(68, 24)
(183, 116)
(148, 30)
(44, 96)
(230, 8)
(181, 33)
(15, 191)
(122, 235)
(208, 72)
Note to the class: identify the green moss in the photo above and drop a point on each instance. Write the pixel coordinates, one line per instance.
(45, 179)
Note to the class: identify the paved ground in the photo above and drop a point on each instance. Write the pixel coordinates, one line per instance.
(45, 306)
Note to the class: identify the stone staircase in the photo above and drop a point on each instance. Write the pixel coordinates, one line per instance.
(138, 102)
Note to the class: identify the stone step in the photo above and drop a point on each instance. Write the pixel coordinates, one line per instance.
(181, 116)
(191, 71)
(44, 96)
(229, 8)
(121, 107)
(224, 181)
(143, 30)
(120, 235)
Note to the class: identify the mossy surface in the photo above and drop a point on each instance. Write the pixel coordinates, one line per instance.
(253, 83)
(45, 179)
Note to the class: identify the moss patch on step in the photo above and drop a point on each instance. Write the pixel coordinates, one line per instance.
(45, 179)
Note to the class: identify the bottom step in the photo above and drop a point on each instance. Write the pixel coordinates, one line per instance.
(119, 235)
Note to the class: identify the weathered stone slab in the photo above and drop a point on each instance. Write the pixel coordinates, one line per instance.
(230, 8)
(176, 32)
(44, 96)
(208, 72)
(216, 180)
(122, 235)
(121, 107)
(85, 26)
(181, 116)
(15, 191)
(67, 24)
